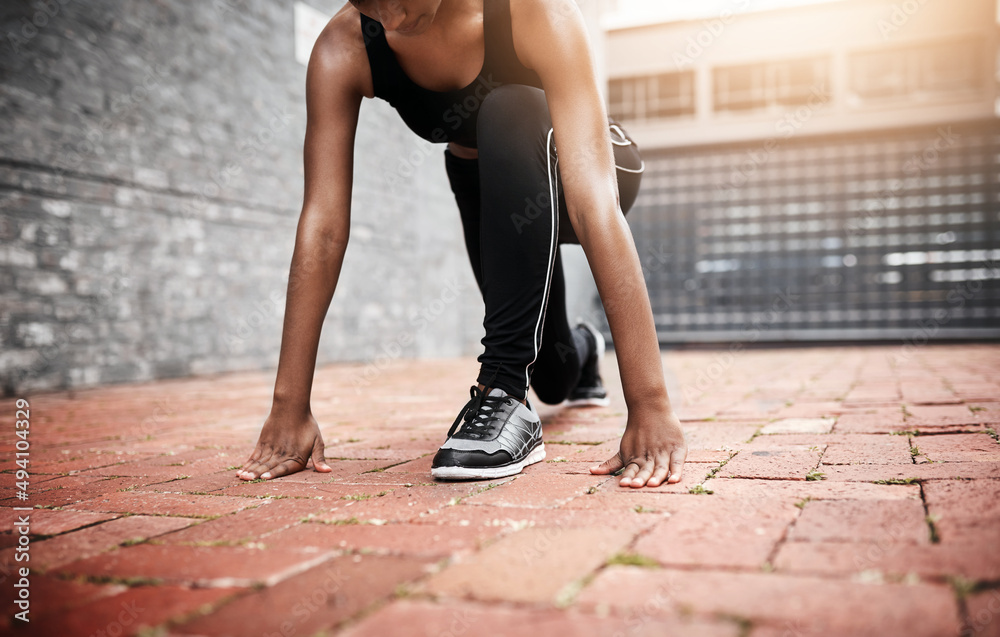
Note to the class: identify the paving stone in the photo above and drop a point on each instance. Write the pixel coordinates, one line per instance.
(323, 596)
(629, 518)
(546, 490)
(965, 510)
(247, 525)
(875, 521)
(863, 609)
(900, 585)
(890, 556)
(62, 549)
(719, 435)
(984, 614)
(771, 463)
(871, 421)
(868, 449)
(799, 426)
(51, 594)
(422, 540)
(166, 504)
(939, 415)
(398, 504)
(530, 566)
(924, 471)
(796, 490)
(131, 611)
(426, 619)
(215, 566)
(55, 522)
(719, 533)
(973, 447)
(805, 409)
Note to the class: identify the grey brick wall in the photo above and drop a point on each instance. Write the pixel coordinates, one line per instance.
(150, 183)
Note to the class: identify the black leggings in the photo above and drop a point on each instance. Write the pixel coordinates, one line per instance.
(512, 234)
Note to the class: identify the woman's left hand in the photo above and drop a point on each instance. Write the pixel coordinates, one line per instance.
(652, 450)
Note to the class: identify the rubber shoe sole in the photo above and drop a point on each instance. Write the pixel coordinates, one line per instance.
(485, 473)
(587, 402)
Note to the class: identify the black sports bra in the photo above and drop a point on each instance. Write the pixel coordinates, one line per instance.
(448, 116)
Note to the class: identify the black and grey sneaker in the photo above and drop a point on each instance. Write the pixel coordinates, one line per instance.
(494, 436)
(589, 390)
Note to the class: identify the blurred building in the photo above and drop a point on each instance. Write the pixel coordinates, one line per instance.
(829, 171)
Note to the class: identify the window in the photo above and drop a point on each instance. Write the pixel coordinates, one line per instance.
(915, 72)
(770, 85)
(652, 96)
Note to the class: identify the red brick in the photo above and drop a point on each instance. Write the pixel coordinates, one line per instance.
(719, 533)
(984, 614)
(54, 522)
(166, 504)
(547, 490)
(516, 518)
(871, 421)
(404, 539)
(718, 435)
(973, 447)
(199, 565)
(814, 605)
(399, 504)
(68, 490)
(884, 521)
(939, 415)
(130, 612)
(316, 599)
(796, 490)
(774, 462)
(964, 510)
(343, 470)
(530, 566)
(207, 483)
(247, 525)
(894, 558)
(425, 619)
(59, 550)
(77, 461)
(805, 409)
(50, 594)
(867, 449)
(925, 471)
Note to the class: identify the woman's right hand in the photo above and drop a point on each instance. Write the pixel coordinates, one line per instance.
(285, 446)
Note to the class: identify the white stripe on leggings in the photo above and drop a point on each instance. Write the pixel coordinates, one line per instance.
(553, 246)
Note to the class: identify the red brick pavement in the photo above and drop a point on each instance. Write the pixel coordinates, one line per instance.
(828, 491)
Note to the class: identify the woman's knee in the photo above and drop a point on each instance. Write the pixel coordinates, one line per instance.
(513, 112)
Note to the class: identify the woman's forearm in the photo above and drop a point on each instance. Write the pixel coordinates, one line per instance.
(315, 269)
(611, 252)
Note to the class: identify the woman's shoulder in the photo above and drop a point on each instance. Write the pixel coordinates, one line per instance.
(339, 51)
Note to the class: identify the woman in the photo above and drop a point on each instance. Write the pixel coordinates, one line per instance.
(528, 143)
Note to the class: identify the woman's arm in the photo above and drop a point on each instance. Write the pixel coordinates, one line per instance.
(550, 38)
(334, 87)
